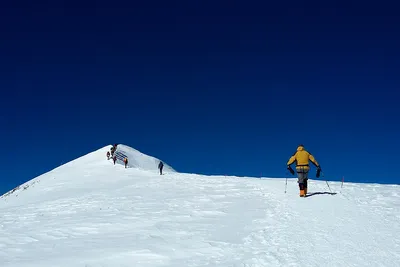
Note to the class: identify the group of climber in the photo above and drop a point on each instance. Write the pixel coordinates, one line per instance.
(112, 150)
(114, 157)
(302, 157)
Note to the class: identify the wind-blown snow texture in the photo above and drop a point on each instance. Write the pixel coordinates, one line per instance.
(91, 213)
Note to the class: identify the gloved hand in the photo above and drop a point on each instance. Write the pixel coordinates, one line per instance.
(290, 169)
(318, 171)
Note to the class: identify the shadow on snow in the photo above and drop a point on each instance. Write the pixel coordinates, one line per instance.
(320, 193)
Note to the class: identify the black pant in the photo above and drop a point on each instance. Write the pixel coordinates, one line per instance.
(303, 185)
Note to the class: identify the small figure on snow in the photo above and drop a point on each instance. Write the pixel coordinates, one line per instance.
(113, 149)
(301, 157)
(160, 167)
(126, 161)
(108, 155)
(114, 159)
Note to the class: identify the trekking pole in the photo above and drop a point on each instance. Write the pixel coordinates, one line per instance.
(286, 181)
(327, 183)
(328, 186)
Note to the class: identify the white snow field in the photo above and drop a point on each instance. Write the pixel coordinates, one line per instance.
(91, 213)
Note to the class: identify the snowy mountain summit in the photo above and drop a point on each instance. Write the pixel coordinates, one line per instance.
(95, 161)
(92, 213)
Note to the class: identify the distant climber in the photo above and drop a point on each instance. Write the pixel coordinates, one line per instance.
(113, 149)
(108, 155)
(126, 161)
(301, 157)
(114, 159)
(160, 167)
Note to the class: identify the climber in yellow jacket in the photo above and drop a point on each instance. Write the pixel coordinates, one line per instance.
(302, 158)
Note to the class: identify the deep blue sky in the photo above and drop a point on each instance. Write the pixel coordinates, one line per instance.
(212, 87)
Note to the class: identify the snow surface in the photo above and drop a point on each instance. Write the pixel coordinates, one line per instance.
(92, 213)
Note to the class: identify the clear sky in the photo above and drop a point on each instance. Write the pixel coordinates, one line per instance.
(210, 87)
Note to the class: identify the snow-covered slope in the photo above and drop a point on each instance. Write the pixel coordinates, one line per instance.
(91, 213)
(85, 166)
(137, 159)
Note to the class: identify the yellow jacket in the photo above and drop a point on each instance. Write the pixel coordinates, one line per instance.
(301, 158)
